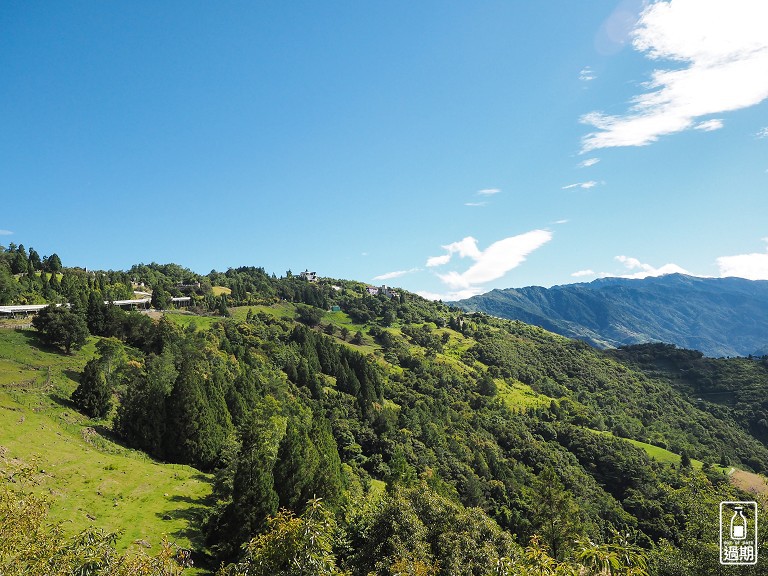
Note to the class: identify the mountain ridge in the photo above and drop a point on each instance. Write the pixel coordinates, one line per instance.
(718, 316)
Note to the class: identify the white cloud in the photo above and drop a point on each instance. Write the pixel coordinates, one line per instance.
(433, 261)
(581, 273)
(465, 247)
(646, 270)
(488, 191)
(709, 125)
(587, 74)
(751, 266)
(491, 263)
(723, 49)
(763, 133)
(585, 185)
(5, 232)
(564, 221)
(474, 204)
(589, 162)
(450, 296)
(395, 274)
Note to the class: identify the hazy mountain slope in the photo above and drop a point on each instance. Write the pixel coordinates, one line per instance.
(719, 316)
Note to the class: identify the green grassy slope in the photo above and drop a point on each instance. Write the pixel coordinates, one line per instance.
(663, 455)
(89, 479)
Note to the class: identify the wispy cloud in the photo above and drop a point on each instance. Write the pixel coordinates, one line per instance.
(587, 74)
(586, 185)
(723, 49)
(563, 221)
(433, 261)
(5, 232)
(645, 270)
(589, 162)
(751, 266)
(709, 125)
(491, 263)
(464, 248)
(396, 274)
(763, 133)
(485, 193)
(582, 273)
(450, 296)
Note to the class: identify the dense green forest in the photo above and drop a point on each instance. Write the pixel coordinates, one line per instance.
(353, 433)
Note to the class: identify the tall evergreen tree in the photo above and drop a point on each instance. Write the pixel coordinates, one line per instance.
(34, 259)
(94, 315)
(254, 498)
(161, 299)
(198, 419)
(308, 463)
(142, 415)
(221, 306)
(93, 395)
(19, 262)
(53, 283)
(53, 263)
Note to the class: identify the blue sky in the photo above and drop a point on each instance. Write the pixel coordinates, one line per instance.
(445, 147)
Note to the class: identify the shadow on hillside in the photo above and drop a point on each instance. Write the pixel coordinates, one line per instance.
(73, 375)
(33, 340)
(193, 511)
(111, 435)
(63, 401)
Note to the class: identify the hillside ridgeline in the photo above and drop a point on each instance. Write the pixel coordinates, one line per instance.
(353, 433)
(718, 316)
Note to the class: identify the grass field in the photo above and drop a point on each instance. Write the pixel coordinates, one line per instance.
(88, 478)
(280, 310)
(184, 319)
(518, 395)
(663, 455)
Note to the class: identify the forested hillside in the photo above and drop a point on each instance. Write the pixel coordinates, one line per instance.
(731, 389)
(343, 432)
(718, 316)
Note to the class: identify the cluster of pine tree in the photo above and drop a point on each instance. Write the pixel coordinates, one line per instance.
(408, 459)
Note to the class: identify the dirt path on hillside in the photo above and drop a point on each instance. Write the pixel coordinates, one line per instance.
(749, 482)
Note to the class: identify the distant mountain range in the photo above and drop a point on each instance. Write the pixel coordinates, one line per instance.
(718, 316)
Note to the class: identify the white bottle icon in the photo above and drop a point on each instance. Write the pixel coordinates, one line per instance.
(738, 524)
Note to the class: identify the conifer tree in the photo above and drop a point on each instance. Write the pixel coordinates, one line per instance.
(141, 416)
(198, 419)
(160, 300)
(34, 259)
(53, 263)
(253, 498)
(95, 314)
(93, 395)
